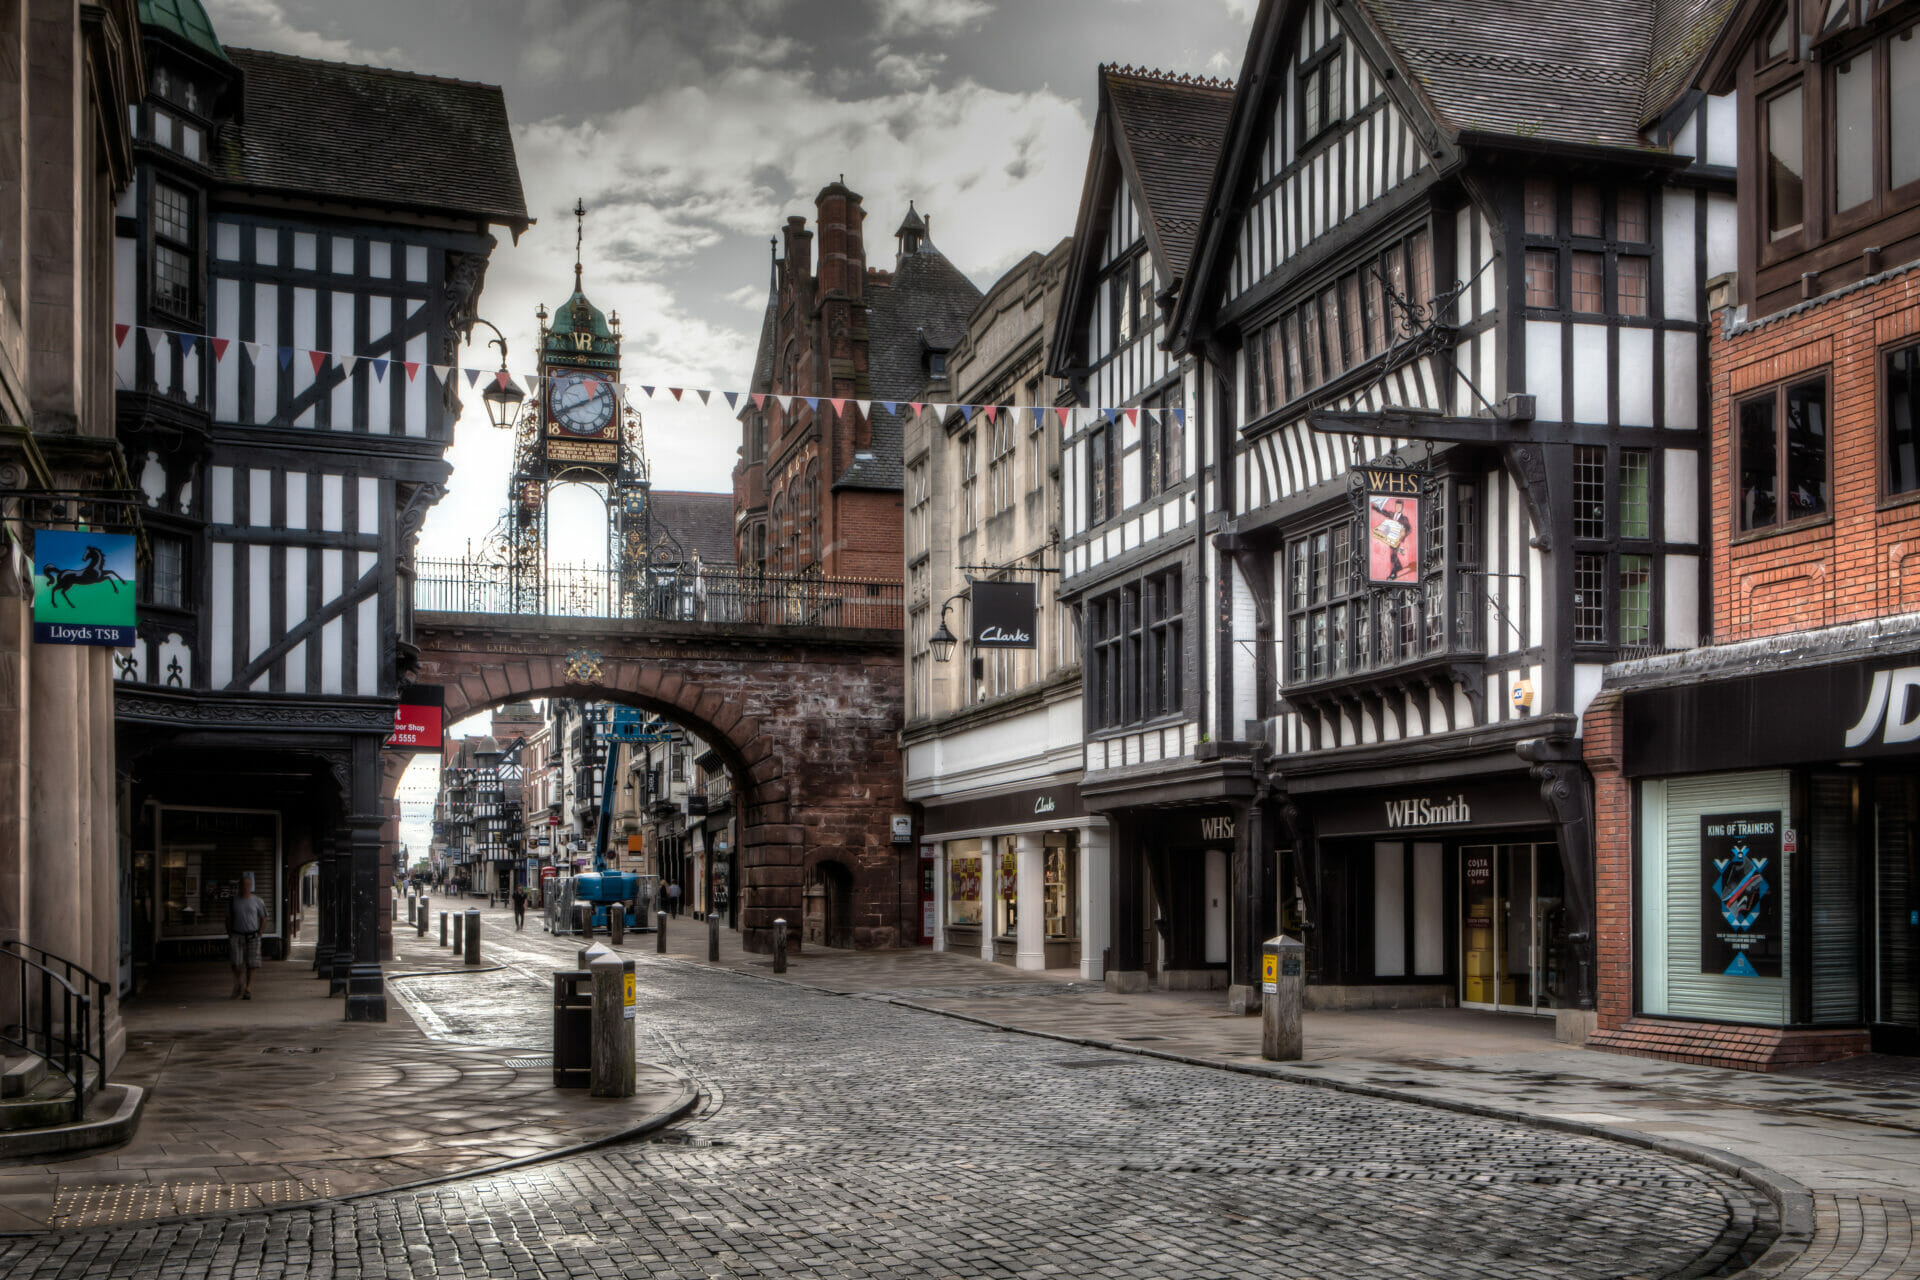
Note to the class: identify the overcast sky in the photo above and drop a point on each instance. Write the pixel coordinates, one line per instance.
(692, 128)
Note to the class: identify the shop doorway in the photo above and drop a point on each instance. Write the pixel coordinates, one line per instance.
(1514, 953)
(1896, 997)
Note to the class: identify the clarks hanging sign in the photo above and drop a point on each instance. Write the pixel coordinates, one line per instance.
(1005, 615)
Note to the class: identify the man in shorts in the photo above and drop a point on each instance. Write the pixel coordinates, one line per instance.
(245, 916)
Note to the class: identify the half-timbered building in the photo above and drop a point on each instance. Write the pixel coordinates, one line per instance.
(1449, 291)
(303, 242)
(1757, 861)
(1137, 494)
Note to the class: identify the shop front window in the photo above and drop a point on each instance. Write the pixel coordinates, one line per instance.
(963, 883)
(1062, 920)
(1006, 900)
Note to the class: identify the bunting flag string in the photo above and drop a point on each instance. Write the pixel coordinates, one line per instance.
(159, 340)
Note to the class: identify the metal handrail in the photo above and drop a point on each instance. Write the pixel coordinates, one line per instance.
(97, 990)
(68, 1044)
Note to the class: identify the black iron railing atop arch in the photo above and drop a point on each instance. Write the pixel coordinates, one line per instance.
(720, 595)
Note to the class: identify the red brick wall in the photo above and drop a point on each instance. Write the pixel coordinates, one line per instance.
(1601, 731)
(1859, 564)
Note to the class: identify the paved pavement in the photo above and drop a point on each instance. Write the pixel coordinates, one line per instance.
(276, 1100)
(855, 1137)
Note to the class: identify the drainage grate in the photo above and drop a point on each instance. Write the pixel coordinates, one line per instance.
(281, 1048)
(523, 1064)
(144, 1201)
(1141, 1039)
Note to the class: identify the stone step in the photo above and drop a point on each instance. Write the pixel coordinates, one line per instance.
(48, 1102)
(112, 1116)
(21, 1074)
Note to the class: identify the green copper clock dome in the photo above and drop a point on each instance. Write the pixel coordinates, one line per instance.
(183, 18)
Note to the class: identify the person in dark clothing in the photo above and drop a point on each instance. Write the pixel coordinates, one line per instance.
(519, 906)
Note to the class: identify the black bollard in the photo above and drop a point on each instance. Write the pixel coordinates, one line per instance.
(459, 933)
(779, 946)
(713, 937)
(660, 935)
(616, 922)
(473, 935)
(443, 928)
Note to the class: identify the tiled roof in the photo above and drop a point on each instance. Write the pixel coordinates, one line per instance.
(1172, 130)
(370, 135)
(1570, 71)
(925, 305)
(1683, 33)
(701, 522)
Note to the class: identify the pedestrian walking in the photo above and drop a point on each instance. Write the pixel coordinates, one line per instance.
(673, 897)
(519, 907)
(245, 914)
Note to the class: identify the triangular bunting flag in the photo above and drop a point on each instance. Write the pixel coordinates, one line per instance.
(839, 404)
(186, 341)
(676, 393)
(219, 348)
(473, 377)
(916, 406)
(1063, 411)
(703, 393)
(1180, 416)
(966, 412)
(989, 410)
(1133, 417)
(500, 378)
(286, 358)
(348, 364)
(412, 367)
(444, 372)
(120, 333)
(1039, 416)
(649, 390)
(891, 406)
(865, 407)
(733, 399)
(319, 359)
(156, 339)
(380, 369)
(592, 386)
(759, 399)
(1112, 415)
(253, 351)
(813, 402)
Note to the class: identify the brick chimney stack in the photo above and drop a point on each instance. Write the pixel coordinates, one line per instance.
(843, 254)
(799, 247)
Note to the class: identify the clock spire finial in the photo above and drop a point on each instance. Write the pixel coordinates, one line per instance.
(579, 234)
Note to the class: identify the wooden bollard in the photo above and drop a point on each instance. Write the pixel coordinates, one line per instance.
(1282, 987)
(613, 1073)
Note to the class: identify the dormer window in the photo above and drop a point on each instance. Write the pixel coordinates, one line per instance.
(936, 364)
(1322, 93)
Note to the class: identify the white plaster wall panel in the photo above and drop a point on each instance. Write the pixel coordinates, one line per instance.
(380, 259)
(416, 386)
(342, 255)
(1682, 376)
(266, 246)
(332, 502)
(226, 324)
(1681, 593)
(306, 338)
(1543, 369)
(345, 341)
(331, 649)
(1723, 131)
(220, 592)
(220, 495)
(1723, 236)
(1589, 373)
(260, 497)
(1679, 273)
(259, 600)
(1681, 515)
(1636, 377)
(266, 368)
(379, 392)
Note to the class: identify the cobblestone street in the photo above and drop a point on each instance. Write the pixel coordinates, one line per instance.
(853, 1137)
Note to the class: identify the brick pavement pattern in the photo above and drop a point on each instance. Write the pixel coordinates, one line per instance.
(853, 1137)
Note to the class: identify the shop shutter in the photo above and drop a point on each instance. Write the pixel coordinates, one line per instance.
(1836, 902)
(1675, 893)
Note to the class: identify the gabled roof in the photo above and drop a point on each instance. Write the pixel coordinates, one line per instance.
(701, 522)
(1570, 71)
(1169, 136)
(369, 135)
(1160, 134)
(1684, 32)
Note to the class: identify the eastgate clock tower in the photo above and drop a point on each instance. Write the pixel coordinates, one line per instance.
(579, 429)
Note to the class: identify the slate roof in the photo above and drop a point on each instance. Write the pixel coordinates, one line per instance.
(925, 306)
(1172, 130)
(701, 522)
(370, 135)
(1683, 33)
(1569, 71)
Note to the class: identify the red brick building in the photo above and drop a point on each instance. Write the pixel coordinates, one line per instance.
(818, 484)
(1758, 796)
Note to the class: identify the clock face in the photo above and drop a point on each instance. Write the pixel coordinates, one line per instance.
(580, 403)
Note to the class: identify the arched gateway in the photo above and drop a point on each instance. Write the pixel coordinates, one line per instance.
(805, 714)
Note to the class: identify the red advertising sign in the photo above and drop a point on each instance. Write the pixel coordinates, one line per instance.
(1393, 539)
(416, 728)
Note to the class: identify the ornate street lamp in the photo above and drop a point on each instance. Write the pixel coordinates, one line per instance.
(503, 395)
(943, 640)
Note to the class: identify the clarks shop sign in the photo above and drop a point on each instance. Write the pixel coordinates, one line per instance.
(1004, 615)
(1852, 710)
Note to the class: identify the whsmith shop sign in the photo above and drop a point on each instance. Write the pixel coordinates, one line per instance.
(83, 590)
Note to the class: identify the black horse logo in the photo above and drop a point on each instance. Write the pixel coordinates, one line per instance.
(93, 569)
